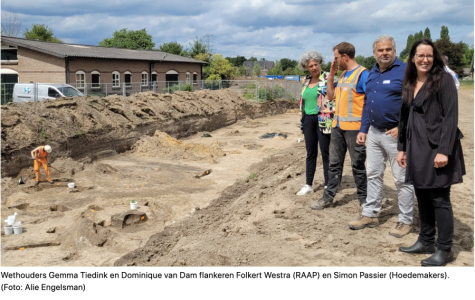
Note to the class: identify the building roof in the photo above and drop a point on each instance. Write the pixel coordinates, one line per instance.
(265, 65)
(64, 50)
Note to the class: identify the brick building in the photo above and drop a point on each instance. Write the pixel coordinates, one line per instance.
(26, 61)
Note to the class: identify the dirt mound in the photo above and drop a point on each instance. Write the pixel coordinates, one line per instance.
(165, 146)
(85, 233)
(91, 126)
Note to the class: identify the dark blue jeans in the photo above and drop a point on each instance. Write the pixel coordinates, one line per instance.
(341, 141)
(434, 206)
(313, 137)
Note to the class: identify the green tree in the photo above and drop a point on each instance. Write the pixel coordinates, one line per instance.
(369, 62)
(172, 48)
(276, 69)
(467, 57)
(198, 46)
(288, 63)
(237, 61)
(444, 32)
(220, 68)
(326, 67)
(41, 32)
(405, 53)
(257, 69)
(454, 51)
(427, 34)
(129, 39)
(253, 58)
(262, 59)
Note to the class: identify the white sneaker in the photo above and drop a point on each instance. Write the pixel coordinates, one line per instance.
(307, 189)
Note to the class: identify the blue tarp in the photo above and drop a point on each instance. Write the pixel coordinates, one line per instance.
(291, 77)
(273, 76)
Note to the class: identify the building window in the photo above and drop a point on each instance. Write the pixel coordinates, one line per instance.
(154, 77)
(95, 80)
(128, 79)
(195, 78)
(144, 78)
(188, 78)
(115, 79)
(171, 75)
(9, 54)
(80, 79)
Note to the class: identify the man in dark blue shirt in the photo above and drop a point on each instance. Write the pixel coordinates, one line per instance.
(379, 130)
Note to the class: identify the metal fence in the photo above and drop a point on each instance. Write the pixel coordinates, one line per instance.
(7, 92)
(252, 90)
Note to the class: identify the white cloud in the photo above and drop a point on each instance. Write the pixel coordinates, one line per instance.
(275, 28)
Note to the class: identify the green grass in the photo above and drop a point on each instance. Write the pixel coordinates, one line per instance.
(44, 134)
(466, 84)
(252, 176)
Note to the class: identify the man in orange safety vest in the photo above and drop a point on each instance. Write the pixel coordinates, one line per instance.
(41, 157)
(349, 95)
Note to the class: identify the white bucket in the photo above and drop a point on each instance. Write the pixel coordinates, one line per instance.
(17, 229)
(8, 229)
(71, 185)
(133, 205)
(9, 221)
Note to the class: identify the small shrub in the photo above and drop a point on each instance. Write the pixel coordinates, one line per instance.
(252, 176)
(43, 133)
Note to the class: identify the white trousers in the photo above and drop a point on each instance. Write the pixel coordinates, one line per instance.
(379, 148)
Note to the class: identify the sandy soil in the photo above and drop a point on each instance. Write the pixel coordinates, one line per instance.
(226, 200)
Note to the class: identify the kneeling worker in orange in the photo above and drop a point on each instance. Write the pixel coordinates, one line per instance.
(41, 157)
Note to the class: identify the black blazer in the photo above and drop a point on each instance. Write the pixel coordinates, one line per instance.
(440, 114)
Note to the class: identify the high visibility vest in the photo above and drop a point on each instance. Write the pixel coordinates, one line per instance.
(349, 103)
(41, 152)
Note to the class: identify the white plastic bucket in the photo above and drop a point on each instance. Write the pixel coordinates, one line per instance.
(9, 221)
(71, 185)
(17, 229)
(8, 229)
(133, 205)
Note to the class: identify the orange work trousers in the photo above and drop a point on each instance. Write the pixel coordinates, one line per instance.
(41, 162)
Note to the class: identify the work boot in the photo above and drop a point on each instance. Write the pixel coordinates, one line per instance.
(400, 230)
(51, 182)
(418, 248)
(307, 189)
(321, 204)
(362, 222)
(37, 183)
(438, 259)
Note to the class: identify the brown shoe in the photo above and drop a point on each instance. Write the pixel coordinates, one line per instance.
(37, 183)
(362, 222)
(400, 230)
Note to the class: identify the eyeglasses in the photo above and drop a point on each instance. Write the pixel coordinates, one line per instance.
(421, 57)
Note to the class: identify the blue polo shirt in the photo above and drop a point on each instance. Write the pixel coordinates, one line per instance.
(383, 97)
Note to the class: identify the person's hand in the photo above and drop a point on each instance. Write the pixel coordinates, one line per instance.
(401, 159)
(393, 132)
(333, 68)
(361, 138)
(440, 160)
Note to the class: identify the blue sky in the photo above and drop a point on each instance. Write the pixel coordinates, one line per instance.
(262, 28)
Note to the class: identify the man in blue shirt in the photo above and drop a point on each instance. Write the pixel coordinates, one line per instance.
(379, 130)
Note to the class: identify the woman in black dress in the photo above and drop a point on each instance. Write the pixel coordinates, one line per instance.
(429, 148)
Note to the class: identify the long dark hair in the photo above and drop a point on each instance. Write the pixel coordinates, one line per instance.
(434, 76)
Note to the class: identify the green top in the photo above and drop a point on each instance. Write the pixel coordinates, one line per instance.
(310, 96)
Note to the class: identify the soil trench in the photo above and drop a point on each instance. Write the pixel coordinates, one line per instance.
(221, 197)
